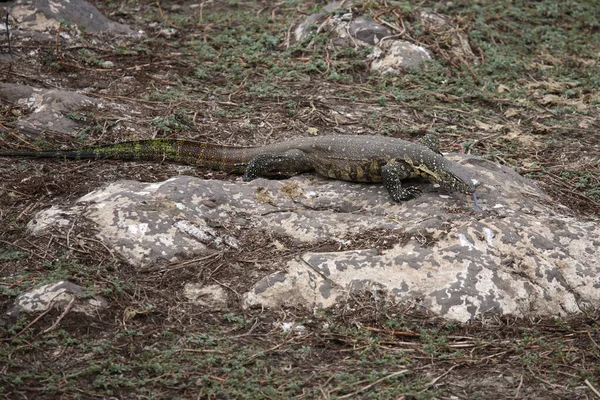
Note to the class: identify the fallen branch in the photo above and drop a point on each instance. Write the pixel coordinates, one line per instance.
(67, 309)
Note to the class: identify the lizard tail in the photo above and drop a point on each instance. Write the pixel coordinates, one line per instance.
(224, 158)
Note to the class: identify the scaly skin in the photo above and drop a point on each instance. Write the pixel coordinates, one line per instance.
(346, 157)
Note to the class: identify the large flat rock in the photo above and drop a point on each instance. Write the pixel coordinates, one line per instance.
(522, 257)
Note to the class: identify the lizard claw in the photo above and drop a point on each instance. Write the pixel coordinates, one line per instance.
(247, 177)
(405, 193)
(412, 191)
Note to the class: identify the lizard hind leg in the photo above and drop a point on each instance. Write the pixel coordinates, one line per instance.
(392, 175)
(287, 163)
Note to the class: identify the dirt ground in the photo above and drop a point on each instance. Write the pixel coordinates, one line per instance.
(225, 72)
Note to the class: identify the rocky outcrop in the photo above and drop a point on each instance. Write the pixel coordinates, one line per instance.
(522, 257)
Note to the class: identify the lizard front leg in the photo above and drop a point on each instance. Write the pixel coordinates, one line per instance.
(432, 142)
(392, 175)
(288, 163)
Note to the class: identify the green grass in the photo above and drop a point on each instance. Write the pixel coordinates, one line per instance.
(10, 254)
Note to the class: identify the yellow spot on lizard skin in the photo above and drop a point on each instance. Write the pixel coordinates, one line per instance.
(360, 173)
(345, 174)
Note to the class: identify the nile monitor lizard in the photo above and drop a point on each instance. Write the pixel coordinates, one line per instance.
(346, 157)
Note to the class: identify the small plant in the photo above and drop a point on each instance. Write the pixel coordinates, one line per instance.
(171, 123)
(10, 254)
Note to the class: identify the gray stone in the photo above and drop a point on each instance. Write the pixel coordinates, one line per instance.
(522, 257)
(343, 30)
(394, 55)
(213, 297)
(42, 15)
(59, 295)
(49, 107)
(367, 31)
(304, 28)
(52, 217)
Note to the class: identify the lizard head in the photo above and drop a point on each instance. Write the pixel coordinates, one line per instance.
(451, 176)
(455, 178)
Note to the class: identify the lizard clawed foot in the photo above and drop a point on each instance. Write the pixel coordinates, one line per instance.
(412, 191)
(404, 193)
(392, 175)
(247, 177)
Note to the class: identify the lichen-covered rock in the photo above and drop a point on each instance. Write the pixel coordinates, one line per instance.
(490, 266)
(343, 30)
(59, 295)
(398, 54)
(212, 297)
(49, 106)
(521, 257)
(41, 15)
(49, 218)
